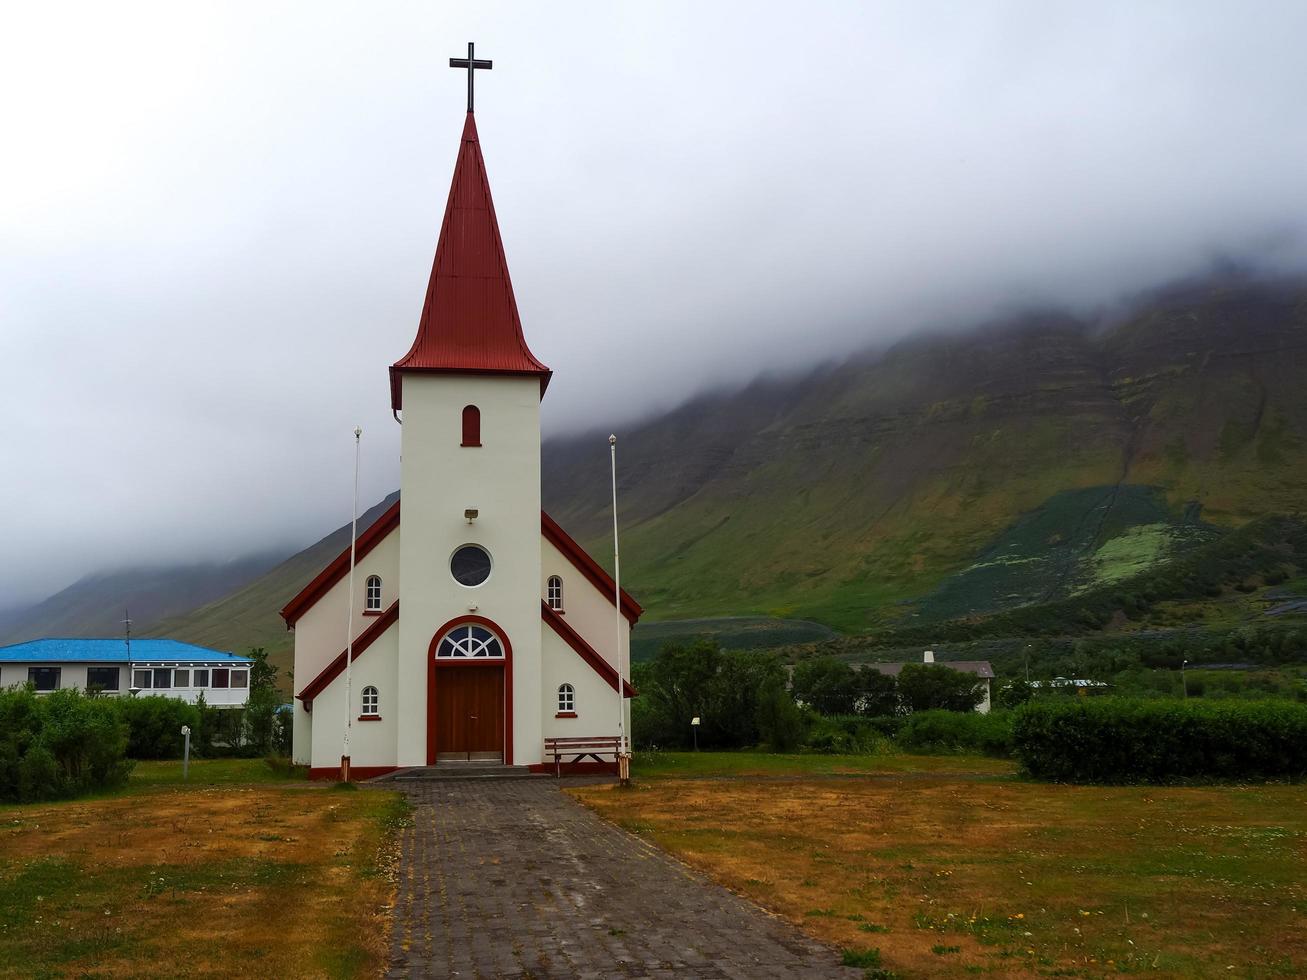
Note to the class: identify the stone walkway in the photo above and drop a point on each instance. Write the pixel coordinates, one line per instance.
(512, 878)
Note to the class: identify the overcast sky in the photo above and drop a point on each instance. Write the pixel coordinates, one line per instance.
(217, 220)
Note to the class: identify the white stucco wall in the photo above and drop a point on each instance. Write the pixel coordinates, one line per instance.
(587, 610)
(320, 632)
(439, 480)
(596, 702)
(372, 743)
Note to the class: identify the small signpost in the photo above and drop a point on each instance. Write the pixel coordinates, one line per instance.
(186, 752)
(694, 727)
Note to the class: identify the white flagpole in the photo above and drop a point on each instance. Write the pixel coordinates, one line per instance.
(349, 620)
(623, 739)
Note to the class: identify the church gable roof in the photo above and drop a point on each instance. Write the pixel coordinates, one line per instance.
(389, 521)
(587, 653)
(469, 320)
(338, 568)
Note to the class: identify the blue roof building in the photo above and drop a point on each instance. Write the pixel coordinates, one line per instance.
(156, 666)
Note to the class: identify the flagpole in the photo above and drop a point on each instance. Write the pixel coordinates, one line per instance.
(623, 738)
(349, 617)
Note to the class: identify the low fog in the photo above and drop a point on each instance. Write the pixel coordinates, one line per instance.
(217, 221)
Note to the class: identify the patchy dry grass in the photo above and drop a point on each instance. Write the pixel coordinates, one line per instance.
(229, 873)
(713, 764)
(948, 875)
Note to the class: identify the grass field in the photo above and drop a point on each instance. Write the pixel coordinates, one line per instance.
(238, 870)
(949, 874)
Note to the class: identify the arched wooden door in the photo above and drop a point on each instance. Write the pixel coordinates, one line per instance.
(470, 693)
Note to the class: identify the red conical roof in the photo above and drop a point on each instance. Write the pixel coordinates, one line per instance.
(469, 320)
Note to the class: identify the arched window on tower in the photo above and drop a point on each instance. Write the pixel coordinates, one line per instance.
(554, 593)
(566, 699)
(471, 426)
(372, 594)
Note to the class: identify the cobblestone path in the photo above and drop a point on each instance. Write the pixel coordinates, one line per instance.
(512, 878)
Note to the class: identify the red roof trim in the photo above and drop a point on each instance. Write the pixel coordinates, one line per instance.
(339, 566)
(588, 653)
(588, 567)
(364, 640)
(470, 321)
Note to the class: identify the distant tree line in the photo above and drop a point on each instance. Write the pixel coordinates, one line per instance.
(748, 698)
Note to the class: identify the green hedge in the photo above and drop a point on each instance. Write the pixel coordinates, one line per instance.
(1118, 740)
(154, 725)
(843, 735)
(957, 731)
(59, 744)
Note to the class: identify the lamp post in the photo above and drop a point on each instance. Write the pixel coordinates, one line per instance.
(1184, 683)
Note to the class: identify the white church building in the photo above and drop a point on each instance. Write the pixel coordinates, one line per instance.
(481, 628)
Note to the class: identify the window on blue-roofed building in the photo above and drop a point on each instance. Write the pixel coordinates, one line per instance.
(44, 678)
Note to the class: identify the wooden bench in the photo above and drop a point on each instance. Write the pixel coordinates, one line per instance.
(580, 747)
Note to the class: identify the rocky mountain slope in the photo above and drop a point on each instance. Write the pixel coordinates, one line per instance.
(950, 476)
(850, 493)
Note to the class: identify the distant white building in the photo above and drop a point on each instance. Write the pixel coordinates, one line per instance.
(983, 672)
(168, 667)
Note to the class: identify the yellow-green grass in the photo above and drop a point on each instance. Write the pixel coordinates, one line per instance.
(235, 871)
(951, 875)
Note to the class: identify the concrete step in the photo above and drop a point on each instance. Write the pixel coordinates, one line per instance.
(457, 770)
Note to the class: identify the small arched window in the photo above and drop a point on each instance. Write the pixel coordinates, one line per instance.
(371, 702)
(372, 594)
(554, 593)
(566, 699)
(471, 426)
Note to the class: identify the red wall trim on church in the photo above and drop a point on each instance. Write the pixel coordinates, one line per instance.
(587, 566)
(364, 640)
(588, 653)
(339, 566)
(433, 666)
(355, 772)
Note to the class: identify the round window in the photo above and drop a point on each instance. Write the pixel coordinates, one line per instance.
(470, 565)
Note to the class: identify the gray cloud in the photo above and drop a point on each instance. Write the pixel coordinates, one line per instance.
(216, 222)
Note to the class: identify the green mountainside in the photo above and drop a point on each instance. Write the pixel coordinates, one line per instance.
(959, 474)
(1042, 464)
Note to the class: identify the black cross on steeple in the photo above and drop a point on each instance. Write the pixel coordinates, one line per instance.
(471, 64)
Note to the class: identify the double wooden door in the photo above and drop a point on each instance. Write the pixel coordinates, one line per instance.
(469, 721)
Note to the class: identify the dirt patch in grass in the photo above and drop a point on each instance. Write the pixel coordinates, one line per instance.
(950, 877)
(276, 880)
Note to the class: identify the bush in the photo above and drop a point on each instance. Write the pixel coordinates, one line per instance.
(924, 687)
(843, 735)
(1119, 740)
(154, 725)
(781, 722)
(60, 744)
(957, 731)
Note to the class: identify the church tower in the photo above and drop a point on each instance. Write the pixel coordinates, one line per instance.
(468, 393)
(480, 631)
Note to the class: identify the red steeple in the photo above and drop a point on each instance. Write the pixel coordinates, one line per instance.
(469, 320)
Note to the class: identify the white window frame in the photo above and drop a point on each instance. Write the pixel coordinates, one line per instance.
(554, 592)
(372, 594)
(370, 694)
(566, 699)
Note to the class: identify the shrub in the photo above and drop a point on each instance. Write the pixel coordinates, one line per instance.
(60, 744)
(843, 735)
(957, 731)
(1119, 740)
(923, 687)
(154, 725)
(781, 722)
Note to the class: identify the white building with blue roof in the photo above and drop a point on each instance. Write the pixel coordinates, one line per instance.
(112, 666)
